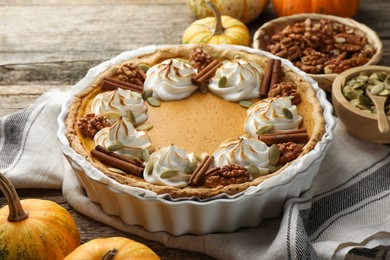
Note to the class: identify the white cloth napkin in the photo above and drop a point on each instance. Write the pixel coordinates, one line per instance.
(346, 212)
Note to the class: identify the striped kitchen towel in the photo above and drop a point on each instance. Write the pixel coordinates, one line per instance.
(345, 214)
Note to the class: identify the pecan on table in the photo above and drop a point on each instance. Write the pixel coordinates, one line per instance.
(225, 175)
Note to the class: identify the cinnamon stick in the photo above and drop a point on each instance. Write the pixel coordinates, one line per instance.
(118, 156)
(264, 87)
(207, 73)
(200, 171)
(275, 138)
(118, 163)
(276, 73)
(292, 131)
(111, 84)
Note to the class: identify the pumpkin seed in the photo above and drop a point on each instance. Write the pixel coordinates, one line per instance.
(144, 127)
(222, 82)
(143, 67)
(116, 170)
(351, 94)
(114, 147)
(364, 101)
(362, 78)
(147, 93)
(169, 174)
(153, 101)
(351, 82)
(274, 168)
(111, 114)
(287, 113)
(145, 154)
(190, 168)
(354, 102)
(358, 85)
(384, 92)
(274, 154)
(254, 171)
(377, 89)
(203, 89)
(265, 129)
(150, 168)
(130, 116)
(245, 103)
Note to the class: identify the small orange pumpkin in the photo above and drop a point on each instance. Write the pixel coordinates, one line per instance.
(34, 228)
(115, 248)
(218, 30)
(330, 7)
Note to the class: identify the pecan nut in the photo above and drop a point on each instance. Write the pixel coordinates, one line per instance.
(90, 124)
(131, 73)
(285, 89)
(288, 152)
(311, 44)
(200, 58)
(226, 175)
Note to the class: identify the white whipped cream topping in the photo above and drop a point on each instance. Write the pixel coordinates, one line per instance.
(243, 80)
(119, 102)
(270, 111)
(170, 79)
(243, 151)
(168, 158)
(124, 133)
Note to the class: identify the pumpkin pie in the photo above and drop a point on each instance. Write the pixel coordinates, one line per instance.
(189, 121)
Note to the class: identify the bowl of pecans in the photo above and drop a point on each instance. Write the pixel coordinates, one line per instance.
(321, 45)
(353, 95)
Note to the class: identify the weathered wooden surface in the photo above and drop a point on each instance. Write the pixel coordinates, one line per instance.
(51, 44)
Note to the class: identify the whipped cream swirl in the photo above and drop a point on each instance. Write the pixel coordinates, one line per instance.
(243, 151)
(171, 79)
(172, 160)
(242, 80)
(123, 134)
(269, 111)
(117, 103)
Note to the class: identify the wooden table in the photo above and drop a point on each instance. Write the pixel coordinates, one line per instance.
(50, 44)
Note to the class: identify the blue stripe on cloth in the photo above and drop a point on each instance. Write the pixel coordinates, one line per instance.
(14, 130)
(311, 219)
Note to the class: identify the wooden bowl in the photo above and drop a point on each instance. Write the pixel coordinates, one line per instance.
(359, 123)
(263, 36)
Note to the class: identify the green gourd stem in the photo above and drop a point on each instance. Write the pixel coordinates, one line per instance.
(110, 254)
(16, 212)
(218, 28)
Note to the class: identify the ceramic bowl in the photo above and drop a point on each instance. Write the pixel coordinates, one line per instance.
(263, 36)
(225, 213)
(359, 123)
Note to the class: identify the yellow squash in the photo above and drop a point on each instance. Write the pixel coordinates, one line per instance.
(33, 228)
(115, 248)
(217, 30)
(243, 10)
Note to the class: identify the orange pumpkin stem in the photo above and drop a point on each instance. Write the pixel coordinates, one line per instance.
(16, 212)
(110, 254)
(218, 28)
